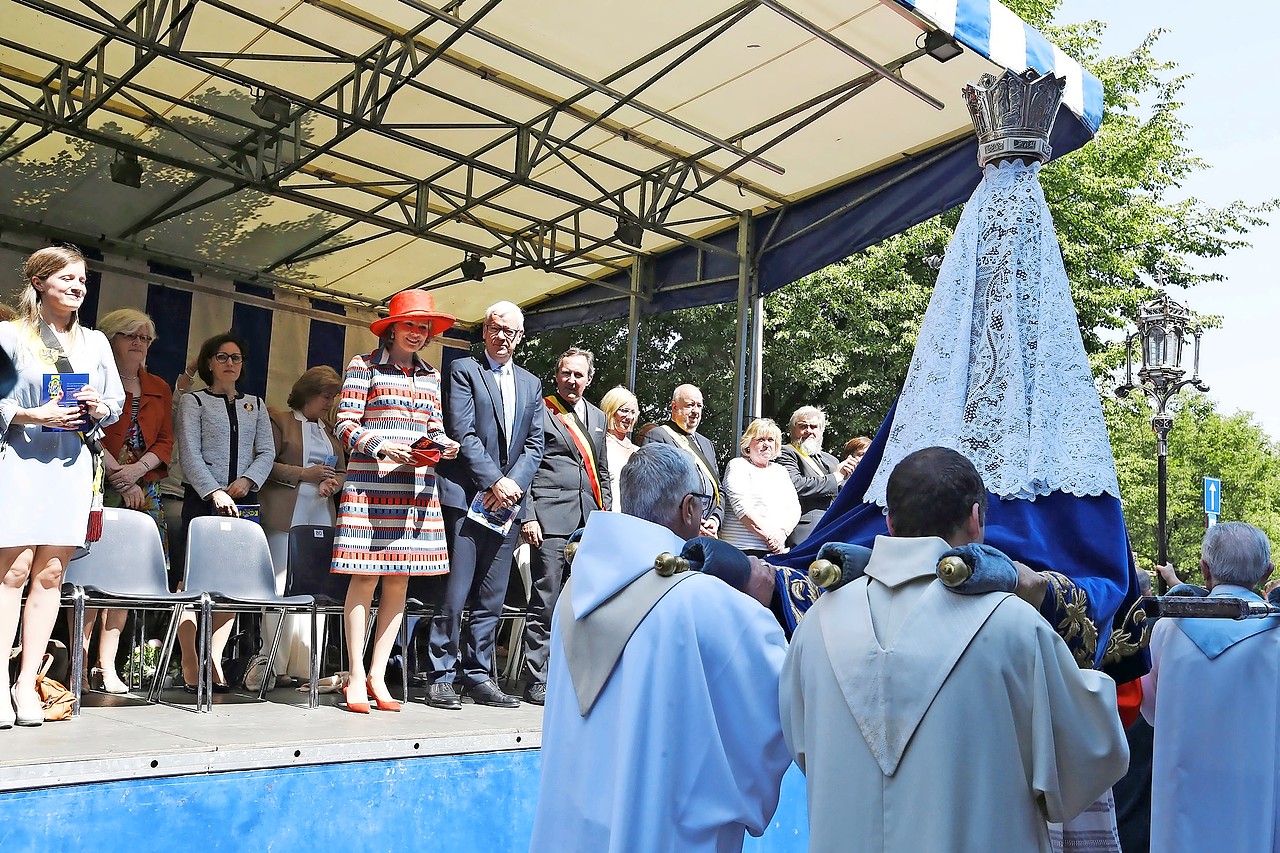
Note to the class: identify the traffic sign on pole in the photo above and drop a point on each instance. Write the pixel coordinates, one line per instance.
(1212, 495)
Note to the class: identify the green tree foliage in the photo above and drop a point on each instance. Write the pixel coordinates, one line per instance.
(1203, 443)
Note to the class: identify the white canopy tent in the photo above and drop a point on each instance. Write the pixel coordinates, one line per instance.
(595, 156)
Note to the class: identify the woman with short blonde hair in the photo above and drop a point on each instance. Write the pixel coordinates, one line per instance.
(620, 409)
(762, 502)
(138, 449)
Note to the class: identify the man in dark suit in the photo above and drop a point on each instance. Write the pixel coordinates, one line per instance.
(816, 474)
(682, 432)
(494, 409)
(571, 483)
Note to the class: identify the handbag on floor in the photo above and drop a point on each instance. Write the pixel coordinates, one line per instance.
(58, 701)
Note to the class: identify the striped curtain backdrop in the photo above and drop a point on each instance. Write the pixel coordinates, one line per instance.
(283, 333)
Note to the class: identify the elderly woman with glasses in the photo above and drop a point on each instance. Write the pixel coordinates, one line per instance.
(758, 491)
(138, 448)
(227, 450)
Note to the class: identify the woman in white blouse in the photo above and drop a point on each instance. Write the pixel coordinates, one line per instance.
(620, 412)
(309, 470)
(763, 505)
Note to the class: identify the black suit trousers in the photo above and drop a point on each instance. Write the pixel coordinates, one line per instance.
(479, 571)
(546, 565)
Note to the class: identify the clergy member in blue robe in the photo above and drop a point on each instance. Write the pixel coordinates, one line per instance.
(1213, 698)
(661, 729)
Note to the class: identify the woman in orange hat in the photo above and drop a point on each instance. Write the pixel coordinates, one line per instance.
(389, 521)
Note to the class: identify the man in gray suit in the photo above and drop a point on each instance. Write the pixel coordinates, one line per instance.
(494, 409)
(816, 474)
(572, 482)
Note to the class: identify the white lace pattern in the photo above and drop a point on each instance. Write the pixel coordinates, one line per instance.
(999, 371)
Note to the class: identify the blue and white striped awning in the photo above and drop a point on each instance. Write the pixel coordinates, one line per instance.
(993, 30)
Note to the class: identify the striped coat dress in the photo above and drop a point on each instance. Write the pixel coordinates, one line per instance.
(389, 520)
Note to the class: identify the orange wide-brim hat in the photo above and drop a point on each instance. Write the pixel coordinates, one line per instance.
(417, 305)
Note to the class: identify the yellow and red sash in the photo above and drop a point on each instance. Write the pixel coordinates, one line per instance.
(682, 441)
(809, 460)
(580, 440)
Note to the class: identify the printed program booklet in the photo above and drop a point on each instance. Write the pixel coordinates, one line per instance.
(62, 388)
(497, 520)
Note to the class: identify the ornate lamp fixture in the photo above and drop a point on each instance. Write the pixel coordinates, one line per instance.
(1163, 329)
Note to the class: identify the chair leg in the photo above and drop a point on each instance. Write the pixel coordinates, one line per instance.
(271, 655)
(204, 656)
(404, 658)
(77, 649)
(313, 695)
(166, 654)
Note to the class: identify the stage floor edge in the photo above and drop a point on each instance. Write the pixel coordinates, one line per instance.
(250, 775)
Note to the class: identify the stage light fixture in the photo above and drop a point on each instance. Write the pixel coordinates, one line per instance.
(473, 268)
(629, 232)
(271, 107)
(126, 170)
(941, 46)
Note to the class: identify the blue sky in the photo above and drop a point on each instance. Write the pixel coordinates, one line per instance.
(1235, 128)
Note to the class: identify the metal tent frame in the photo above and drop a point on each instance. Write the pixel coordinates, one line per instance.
(565, 149)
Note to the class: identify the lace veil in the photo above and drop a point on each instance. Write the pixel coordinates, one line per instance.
(999, 371)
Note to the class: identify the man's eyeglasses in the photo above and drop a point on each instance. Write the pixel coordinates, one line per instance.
(224, 357)
(708, 504)
(504, 332)
(136, 336)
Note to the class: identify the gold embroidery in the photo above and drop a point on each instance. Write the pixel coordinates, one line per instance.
(1076, 628)
(1131, 637)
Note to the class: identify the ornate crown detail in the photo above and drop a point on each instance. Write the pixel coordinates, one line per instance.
(1013, 114)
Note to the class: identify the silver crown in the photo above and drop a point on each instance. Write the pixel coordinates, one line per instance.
(1013, 114)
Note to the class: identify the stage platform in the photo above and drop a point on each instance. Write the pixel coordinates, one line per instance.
(275, 776)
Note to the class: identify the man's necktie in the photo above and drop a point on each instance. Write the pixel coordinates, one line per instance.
(507, 384)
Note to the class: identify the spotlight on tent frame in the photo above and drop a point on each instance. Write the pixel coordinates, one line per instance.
(126, 170)
(941, 46)
(271, 107)
(629, 232)
(473, 268)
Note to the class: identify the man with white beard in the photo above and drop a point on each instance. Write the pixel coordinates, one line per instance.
(816, 474)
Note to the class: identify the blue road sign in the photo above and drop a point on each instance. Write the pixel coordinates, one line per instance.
(1212, 495)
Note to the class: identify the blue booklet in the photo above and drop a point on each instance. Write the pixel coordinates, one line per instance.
(62, 388)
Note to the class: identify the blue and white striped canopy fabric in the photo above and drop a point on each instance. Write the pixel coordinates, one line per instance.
(991, 29)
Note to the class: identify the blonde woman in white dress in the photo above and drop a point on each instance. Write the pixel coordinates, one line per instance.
(46, 471)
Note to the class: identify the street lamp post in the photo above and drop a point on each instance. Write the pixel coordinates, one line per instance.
(1163, 328)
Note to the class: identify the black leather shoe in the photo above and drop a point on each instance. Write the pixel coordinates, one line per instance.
(536, 694)
(489, 693)
(442, 695)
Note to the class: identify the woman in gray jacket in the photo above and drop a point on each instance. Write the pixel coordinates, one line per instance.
(225, 442)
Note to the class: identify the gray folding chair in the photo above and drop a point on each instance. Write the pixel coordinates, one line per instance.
(125, 568)
(229, 564)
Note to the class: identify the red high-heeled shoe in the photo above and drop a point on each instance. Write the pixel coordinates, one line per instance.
(353, 707)
(381, 705)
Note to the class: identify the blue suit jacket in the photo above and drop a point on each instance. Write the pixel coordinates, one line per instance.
(473, 417)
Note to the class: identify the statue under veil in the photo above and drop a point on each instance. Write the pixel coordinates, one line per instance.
(1000, 374)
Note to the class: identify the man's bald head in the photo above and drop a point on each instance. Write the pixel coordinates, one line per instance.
(686, 407)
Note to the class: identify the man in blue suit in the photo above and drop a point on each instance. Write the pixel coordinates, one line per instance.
(494, 409)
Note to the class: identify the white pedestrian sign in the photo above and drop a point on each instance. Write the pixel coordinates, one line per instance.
(1212, 495)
